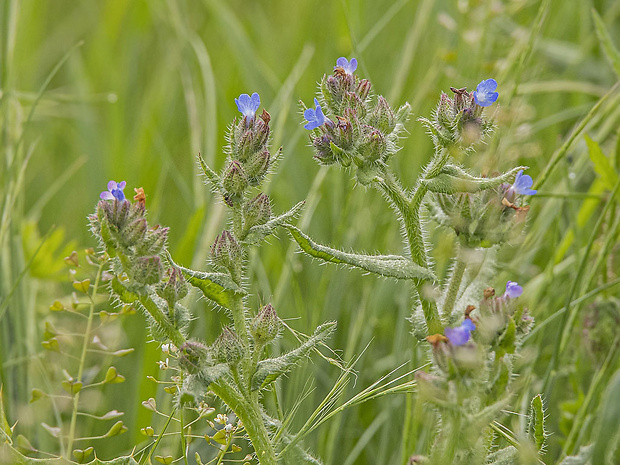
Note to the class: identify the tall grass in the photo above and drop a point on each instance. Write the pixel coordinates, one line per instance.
(93, 91)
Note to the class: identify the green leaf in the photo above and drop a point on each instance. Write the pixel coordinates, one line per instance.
(212, 177)
(602, 166)
(506, 456)
(607, 428)
(393, 266)
(211, 374)
(259, 232)
(218, 287)
(269, 370)
(611, 52)
(508, 339)
(536, 423)
(454, 179)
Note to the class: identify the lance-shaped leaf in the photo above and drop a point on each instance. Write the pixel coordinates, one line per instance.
(257, 233)
(392, 266)
(218, 287)
(269, 370)
(604, 38)
(582, 458)
(536, 423)
(124, 295)
(453, 179)
(212, 177)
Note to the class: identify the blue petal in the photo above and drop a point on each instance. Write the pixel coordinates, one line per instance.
(309, 114)
(513, 290)
(106, 195)
(352, 66)
(255, 101)
(457, 336)
(468, 325)
(342, 62)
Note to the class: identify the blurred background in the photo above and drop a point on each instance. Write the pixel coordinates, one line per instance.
(134, 90)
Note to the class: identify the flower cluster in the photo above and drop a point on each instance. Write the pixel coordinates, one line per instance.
(347, 128)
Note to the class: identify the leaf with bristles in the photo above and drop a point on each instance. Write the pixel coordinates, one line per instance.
(582, 458)
(259, 232)
(506, 456)
(392, 266)
(212, 176)
(454, 179)
(269, 370)
(536, 423)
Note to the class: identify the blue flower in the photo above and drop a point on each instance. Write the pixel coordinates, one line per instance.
(115, 191)
(460, 335)
(513, 290)
(315, 117)
(522, 185)
(248, 105)
(348, 66)
(485, 94)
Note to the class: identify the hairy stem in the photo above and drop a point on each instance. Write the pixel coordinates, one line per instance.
(455, 284)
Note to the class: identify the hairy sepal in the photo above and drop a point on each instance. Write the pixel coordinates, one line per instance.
(271, 369)
(536, 423)
(392, 266)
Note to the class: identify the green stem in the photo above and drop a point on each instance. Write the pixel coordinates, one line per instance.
(249, 412)
(89, 325)
(455, 284)
(162, 320)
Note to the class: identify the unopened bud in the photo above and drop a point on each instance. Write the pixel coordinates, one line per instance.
(227, 253)
(383, 117)
(257, 211)
(193, 356)
(148, 270)
(174, 288)
(135, 231)
(154, 241)
(374, 146)
(235, 180)
(257, 166)
(266, 325)
(227, 348)
(363, 89)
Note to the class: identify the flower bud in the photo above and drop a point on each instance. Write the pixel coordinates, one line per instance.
(257, 166)
(227, 348)
(147, 270)
(227, 253)
(134, 232)
(235, 181)
(257, 211)
(154, 241)
(174, 288)
(120, 212)
(324, 154)
(266, 325)
(363, 88)
(374, 146)
(383, 117)
(193, 356)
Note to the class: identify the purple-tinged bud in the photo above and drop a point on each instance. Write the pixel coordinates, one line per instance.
(154, 241)
(235, 180)
(227, 253)
(174, 288)
(262, 131)
(363, 89)
(227, 348)
(193, 356)
(345, 133)
(257, 211)
(147, 270)
(266, 325)
(354, 102)
(257, 166)
(374, 146)
(134, 232)
(322, 145)
(383, 117)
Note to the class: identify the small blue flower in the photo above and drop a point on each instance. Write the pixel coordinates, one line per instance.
(485, 94)
(248, 105)
(315, 117)
(115, 191)
(348, 66)
(513, 290)
(522, 185)
(460, 335)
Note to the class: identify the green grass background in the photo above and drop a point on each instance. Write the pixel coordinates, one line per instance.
(133, 90)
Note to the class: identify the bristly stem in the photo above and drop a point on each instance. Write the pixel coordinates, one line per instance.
(455, 284)
(89, 325)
